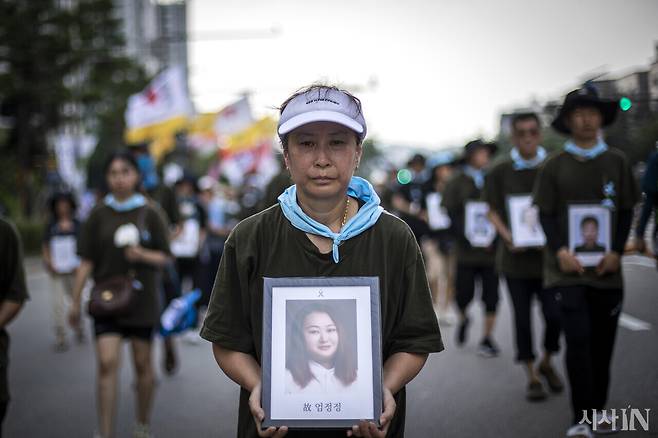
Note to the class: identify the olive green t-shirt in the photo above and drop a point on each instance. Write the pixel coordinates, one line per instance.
(502, 181)
(165, 197)
(12, 288)
(96, 244)
(267, 245)
(563, 180)
(460, 189)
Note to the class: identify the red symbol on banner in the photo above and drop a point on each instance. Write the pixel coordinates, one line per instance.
(151, 95)
(229, 111)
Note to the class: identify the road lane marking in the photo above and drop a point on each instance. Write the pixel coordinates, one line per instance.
(632, 323)
(647, 262)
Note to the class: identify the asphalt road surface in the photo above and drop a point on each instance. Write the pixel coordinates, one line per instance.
(458, 394)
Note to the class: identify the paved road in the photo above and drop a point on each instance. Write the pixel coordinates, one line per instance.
(458, 394)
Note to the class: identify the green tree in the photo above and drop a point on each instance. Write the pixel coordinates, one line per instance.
(60, 66)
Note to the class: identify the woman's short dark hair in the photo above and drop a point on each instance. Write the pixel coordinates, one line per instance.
(123, 155)
(591, 219)
(62, 196)
(345, 367)
(516, 118)
(318, 87)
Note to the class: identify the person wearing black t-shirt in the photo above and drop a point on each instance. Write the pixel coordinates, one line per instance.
(59, 256)
(586, 171)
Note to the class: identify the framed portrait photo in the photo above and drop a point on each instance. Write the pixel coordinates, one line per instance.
(436, 214)
(589, 232)
(479, 231)
(321, 363)
(524, 222)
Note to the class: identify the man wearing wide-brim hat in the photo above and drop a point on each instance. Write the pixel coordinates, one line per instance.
(586, 171)
(473, 261)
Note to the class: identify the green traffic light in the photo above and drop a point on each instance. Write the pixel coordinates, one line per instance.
(404, 176)
(625, 103)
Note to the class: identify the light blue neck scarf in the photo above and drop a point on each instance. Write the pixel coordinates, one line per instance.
(365, 218)
(587, 154)
(521, 163)
(476, 174)
(135, 201)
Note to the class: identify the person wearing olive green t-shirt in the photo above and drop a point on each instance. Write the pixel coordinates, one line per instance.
(515, 176)
(124, 233)
(329, 223)
(169, 280)
(13, 293)
(473, 262)
(586, 171)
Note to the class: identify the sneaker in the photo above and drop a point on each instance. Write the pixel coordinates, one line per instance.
(142, 430)
(191, 336)
(462, 332)
(447, 318)
(488, 348)
(603, 423)
(579, 431)
(552, 379)
(535, 391)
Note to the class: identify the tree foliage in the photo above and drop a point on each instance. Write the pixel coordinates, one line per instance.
(62, 64)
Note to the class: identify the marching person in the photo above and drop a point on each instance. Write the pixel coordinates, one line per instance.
(59, 256)
(473, 262)
(522, 267)
(329, 223)
(587, 171)
(13, 294)
(438, 245)
(407, 199)
(105, 252)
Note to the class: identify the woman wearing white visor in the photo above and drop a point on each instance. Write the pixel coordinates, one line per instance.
(329, 223)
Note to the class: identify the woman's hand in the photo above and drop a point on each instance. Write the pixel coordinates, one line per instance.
(610, 263)
(134, 253)
(258, 414)
(368, 429)
(568, 262)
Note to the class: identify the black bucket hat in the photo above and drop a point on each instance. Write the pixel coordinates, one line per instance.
(584, 97)
(474, 145)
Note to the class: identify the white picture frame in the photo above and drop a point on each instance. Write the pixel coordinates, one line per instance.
(523, 219)
(589, 232)
(63, 254)
(437, 215)
(337, 395)
(478, 230)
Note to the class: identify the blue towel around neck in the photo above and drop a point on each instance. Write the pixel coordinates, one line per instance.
(365, 218)
(476, 174)
(135, 201)
(521, 163)
(587, 154)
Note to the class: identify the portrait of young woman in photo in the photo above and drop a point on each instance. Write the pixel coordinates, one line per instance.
(321, 355)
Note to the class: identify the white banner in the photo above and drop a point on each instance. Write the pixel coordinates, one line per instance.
(163, 99)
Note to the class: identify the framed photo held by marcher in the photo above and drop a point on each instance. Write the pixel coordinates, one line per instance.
(524, 222)
(321, 363)
(437, 215)
(479, 231)
(589, 232)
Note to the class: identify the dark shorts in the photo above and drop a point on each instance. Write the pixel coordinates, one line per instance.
(111, 327)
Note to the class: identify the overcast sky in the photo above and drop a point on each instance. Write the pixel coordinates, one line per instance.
(444, 69)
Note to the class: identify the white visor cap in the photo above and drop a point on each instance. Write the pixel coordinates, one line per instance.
(322, 105)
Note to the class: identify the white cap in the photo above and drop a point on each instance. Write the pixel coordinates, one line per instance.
(322, 104)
